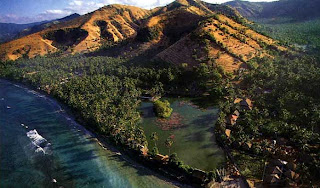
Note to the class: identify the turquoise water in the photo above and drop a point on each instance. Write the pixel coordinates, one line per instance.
(73, 158)
(194, 142)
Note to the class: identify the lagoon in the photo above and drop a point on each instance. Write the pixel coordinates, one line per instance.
(194, 140)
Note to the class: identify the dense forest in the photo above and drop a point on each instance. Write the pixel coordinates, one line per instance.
(285, 94)
(105, 93)
(304, 34)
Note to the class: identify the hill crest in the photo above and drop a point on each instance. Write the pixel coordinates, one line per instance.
(185, 31)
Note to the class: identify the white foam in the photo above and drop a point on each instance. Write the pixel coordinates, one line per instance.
(40, 150)
(36, 137)
(41, 144)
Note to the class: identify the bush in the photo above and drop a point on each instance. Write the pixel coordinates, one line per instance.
(162, 109)
(148, 33)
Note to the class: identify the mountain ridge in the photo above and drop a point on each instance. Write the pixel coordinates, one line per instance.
(46, 24)
(294, 10)
(208, 33)
(12, 31)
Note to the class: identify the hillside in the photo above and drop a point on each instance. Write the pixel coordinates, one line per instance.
(84, 33)
(185, 31)
(9, 30)
(46, 24)
(294, 22)
(218, 41)
(246, 8)
(292, 10)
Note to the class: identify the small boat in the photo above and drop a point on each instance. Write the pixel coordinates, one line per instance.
(54, 181)
(2, 99)
(27, 127)
(8, 107)
(22, 124)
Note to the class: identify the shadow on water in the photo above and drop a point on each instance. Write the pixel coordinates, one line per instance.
(147, 111)
(206, 146)
(82, 157)
(216, 154)
(204, 120)
(195, 137)
(74, 144)
(204, 102)
(144, 171)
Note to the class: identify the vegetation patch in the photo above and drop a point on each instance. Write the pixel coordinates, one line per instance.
(162, 108)
(66, 37)
(301, 33)
(148, 33)
(282, 123)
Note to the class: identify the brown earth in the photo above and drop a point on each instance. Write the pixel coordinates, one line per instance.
(174, 122)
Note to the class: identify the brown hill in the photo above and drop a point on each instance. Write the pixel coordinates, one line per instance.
(185, 31)
(80, 35)
(219, 41)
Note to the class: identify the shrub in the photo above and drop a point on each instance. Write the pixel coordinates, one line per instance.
(148, 33)
(162, 109)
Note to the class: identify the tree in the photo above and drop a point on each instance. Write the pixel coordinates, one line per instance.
(169, 143)
(154, 137)
(162, 109)
(154, 151)
(174, 158)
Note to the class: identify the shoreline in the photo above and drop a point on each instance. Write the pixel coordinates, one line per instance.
(102, 141)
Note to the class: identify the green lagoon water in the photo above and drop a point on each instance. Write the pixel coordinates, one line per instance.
(195, 142)
(72, 158)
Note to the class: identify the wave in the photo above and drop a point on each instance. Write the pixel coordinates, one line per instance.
(56, 105)
(40, 144)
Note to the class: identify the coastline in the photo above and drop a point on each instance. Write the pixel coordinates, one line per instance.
(101, 140)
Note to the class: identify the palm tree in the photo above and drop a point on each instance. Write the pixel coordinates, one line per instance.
(169, 143)
(154, 137)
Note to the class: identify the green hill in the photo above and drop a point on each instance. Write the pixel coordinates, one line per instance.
(293, 10)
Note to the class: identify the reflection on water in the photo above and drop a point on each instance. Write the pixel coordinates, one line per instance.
(76, 159)
(194, 141)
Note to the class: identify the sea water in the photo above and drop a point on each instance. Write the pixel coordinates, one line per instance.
(40, 146)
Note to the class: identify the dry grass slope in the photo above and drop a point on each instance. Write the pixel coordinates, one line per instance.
(122, 23)
(185, 31)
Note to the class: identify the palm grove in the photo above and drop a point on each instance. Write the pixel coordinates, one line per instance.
(104, 92)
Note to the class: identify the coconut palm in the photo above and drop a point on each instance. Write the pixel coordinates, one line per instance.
(169, 143)
(154, 137)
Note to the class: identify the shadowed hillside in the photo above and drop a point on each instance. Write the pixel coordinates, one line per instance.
(11, 31)
(292, 10)
(45, 25)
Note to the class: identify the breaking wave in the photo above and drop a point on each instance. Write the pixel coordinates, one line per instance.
(40, 144)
